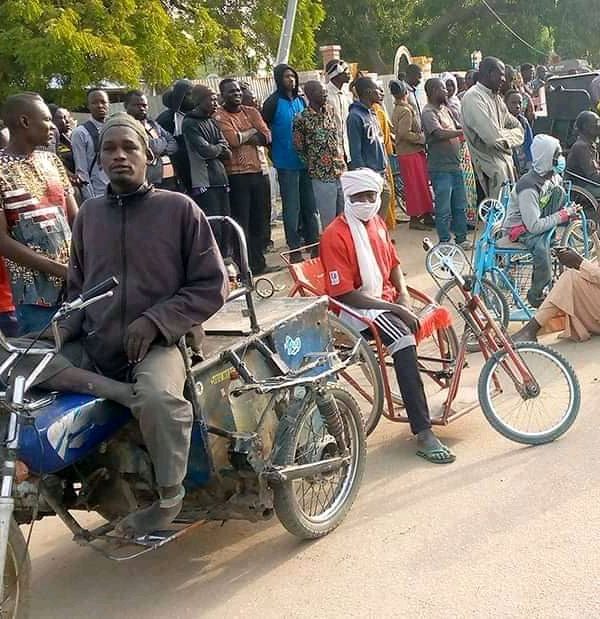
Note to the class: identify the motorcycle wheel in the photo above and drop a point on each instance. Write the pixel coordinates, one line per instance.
(314, 506)
(16, 597)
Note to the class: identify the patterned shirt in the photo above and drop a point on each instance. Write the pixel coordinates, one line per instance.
(33, 193)
(317, 142)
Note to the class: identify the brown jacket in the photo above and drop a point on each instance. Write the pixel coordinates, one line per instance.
(160, 247)
(244, 157)
(407, 129)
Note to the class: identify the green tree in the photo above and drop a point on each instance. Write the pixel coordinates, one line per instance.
(370, 32)
(250, 31)
(60, 47)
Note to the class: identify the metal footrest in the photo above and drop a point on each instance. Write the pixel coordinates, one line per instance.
(111, 546)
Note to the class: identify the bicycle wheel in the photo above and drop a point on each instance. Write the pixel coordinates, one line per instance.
(587, 201)
(443, 344)
(574, 238)
(529, 414)
(491, 296)
(363, 379)
(315, 505)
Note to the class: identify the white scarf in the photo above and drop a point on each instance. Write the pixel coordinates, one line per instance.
(357, 215)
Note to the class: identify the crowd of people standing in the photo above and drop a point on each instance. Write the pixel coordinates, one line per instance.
(219, 149)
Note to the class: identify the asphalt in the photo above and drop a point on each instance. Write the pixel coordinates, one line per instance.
(505, 531)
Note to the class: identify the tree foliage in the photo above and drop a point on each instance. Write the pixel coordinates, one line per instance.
(371, 32)
(60, 47)
(250, 31)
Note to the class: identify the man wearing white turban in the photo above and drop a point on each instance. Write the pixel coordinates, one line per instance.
(363, 272)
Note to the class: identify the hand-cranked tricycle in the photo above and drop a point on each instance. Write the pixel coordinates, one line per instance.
(273, 434)
(527, 391)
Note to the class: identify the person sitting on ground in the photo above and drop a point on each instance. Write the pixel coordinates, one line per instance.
(362, 270)
(576, 295)
(583, 166)
(538, 204)
(172, 278)
(521, 153)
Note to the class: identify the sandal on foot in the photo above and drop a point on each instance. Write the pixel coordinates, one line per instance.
(437, 455)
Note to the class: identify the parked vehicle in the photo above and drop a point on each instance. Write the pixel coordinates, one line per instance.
(273, 435)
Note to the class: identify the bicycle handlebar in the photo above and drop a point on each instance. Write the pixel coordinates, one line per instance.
(88, 297)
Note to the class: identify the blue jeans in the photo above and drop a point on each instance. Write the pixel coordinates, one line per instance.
(328, 196)
(299, 209)
(450, 205)
(33, 318)
(539, 247)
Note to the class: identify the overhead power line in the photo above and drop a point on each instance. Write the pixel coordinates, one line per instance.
(517, 36)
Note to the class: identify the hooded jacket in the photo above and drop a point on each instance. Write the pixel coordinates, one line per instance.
(205, 144)
(278, 112)
(173, 99)
(365, 138)
(534, 191)
(174, 276)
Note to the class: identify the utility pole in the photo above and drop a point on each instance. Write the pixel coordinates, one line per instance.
(287, 31)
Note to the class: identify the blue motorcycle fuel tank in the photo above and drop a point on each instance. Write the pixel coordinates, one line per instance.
(67, 429)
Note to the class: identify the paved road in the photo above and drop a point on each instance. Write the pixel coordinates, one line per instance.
(506, 531)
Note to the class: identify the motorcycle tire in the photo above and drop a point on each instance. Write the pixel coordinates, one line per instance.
(16, 597)
(289, 497)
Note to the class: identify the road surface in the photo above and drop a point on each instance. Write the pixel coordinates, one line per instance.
(506, 531)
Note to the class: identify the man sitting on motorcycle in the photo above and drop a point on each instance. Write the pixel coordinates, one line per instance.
(362, 271)
(172, 278)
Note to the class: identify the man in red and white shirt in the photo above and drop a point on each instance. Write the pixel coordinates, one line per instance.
(362, 271)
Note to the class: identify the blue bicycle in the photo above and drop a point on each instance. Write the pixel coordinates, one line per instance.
(501, 270)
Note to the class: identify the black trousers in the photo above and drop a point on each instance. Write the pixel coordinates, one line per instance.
(213, 202)
(397, 337)
(267, 211)
(248, 199)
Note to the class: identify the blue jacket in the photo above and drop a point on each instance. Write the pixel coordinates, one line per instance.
(364, 136)
(279, 111)
(283, 153)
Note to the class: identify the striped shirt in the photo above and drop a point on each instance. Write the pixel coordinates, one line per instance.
(33, 194)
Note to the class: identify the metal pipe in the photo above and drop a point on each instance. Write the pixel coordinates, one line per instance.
(300, 471)
(287, 32)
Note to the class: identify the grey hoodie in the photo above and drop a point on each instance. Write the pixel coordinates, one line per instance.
(533, 191)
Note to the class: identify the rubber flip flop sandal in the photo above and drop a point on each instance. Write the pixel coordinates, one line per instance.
(447, 456)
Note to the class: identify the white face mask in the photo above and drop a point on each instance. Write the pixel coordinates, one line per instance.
(365, 211)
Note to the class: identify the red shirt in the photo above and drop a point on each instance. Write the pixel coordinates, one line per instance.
(338, 255)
